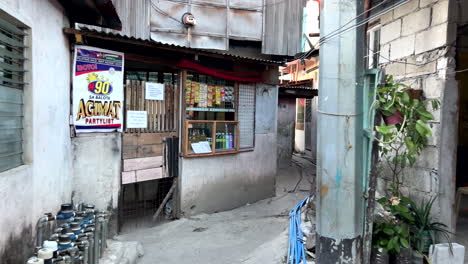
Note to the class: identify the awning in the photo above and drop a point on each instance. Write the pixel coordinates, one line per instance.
(227, 75)
(297, 92)
(159, 45)
(92, 12)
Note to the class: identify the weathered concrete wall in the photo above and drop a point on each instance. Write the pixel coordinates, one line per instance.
(299, 140)
(313, 126)
(416, 40)
(225, 182)
(96, 169)
(286, 130)
(44, 182)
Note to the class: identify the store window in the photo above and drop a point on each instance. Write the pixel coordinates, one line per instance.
(219, 116)
(12, 84)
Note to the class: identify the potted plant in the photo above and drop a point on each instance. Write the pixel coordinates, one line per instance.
(424, 229)
(402, 218)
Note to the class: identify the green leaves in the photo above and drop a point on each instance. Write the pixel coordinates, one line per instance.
(404, 242)
(389, 231)
(424, 114)
(423, 129)
(385, 129)
(405, 98)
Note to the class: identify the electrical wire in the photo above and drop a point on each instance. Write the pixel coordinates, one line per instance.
(159, 10)
(340, 30)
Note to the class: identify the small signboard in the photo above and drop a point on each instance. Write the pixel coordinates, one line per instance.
(201, 147)
(137, 119)
(154, 91)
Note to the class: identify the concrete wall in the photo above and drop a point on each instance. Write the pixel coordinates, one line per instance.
(211, 184)
(96, 170)
(45, 181)
(415, 49)
(313, 126)
(299, 135)
(299, 140)
(286, 130)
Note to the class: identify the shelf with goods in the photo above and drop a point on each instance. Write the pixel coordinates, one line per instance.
(210, 95)
(208, 138)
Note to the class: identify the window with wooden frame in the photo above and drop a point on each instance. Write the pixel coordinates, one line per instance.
(214, 123)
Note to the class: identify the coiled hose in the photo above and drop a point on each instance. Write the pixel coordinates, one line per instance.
(296, 249)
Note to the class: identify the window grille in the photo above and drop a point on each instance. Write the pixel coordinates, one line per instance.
(246, 115)
(11, 94)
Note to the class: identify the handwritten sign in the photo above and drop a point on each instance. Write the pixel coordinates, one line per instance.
(201, 147)
(137, 119)
(154, 91)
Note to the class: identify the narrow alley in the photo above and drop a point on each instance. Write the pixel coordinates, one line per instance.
(251, 234)
(234, 131)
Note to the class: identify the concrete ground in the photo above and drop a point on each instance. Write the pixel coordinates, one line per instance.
(255, 233)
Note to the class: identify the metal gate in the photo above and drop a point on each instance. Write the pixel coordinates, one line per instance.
(149, 155)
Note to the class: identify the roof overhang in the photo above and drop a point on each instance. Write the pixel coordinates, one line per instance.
(169, 47)
(100, 13)
(297, 92)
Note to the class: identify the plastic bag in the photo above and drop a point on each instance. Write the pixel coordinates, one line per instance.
(440, 254)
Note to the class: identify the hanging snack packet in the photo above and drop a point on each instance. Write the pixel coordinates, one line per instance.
(188, 92)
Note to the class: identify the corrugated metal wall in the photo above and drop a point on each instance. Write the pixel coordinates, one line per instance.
(283, 27)
(135, 17)
(278, 23)
(217, 22)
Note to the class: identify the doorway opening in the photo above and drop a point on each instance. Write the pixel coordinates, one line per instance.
(150, 147)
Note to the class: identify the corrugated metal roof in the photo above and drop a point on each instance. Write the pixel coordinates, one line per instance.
(90, 32)
(282, 27)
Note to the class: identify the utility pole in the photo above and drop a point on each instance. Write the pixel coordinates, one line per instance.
(340, 200)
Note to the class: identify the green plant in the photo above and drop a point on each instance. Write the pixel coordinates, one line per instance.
(400, 144)
(399, 208)
(393, 233)
(391, 236)
(424, 226)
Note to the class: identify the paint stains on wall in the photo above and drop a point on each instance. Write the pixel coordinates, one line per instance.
(323, 190)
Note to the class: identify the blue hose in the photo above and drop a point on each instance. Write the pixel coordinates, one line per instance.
(296, 249)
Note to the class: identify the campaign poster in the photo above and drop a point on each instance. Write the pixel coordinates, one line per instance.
(97, 90)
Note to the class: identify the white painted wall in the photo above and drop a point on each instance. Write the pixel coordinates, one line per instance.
(44, 182)
(96, 169)
(299, 140)
(211, 184)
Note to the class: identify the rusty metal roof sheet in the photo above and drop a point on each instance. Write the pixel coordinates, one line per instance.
(89, 32)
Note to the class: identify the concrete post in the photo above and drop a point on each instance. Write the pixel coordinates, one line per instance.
(340, 201)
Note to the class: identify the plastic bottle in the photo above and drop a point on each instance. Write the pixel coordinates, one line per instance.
(231, 141)
(228, 141)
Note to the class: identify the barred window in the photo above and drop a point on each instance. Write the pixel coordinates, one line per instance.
(11, 94)
(246, 115)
